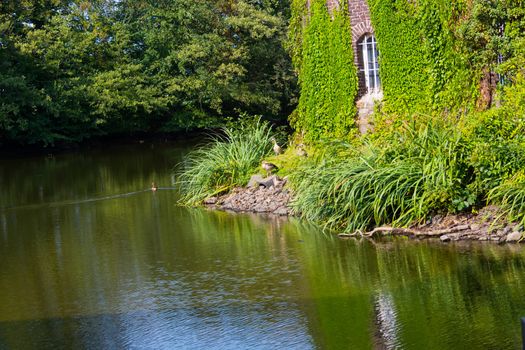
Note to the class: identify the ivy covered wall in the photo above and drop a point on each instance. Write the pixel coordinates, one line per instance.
(436, 58)
(422, 65)
(321, 43)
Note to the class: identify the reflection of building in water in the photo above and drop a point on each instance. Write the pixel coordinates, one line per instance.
(386, 321)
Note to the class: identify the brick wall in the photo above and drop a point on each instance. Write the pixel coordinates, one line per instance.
(361, 25)
(332, 4)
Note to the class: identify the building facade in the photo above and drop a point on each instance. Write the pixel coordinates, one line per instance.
(364, 44)
(366, 57)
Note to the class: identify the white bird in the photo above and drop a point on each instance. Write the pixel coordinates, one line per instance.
(276, 148)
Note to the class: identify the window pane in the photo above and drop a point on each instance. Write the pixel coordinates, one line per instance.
(371, 81)
(369, 54)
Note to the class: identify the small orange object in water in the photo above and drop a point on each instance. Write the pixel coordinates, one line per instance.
(154, 187)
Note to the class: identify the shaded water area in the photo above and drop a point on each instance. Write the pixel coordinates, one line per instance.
(90, 259)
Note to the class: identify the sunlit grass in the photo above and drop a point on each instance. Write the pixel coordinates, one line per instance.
(226, 161)
(400, 183)
(510, 196)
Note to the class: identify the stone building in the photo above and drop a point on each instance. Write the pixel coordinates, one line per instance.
(366, 57)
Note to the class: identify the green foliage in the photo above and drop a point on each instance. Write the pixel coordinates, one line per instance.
(437, 57)
(492, 29)
(227, 161)
(496, 139)
(510, 196)
(73, 69)
(298, 21)
(418, 172)
(327, 74)
(421, 66)
(427, 166)
(437, 63)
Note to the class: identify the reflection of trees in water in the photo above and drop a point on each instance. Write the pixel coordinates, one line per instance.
(413, 295)
(104, 171)
(416, 295)
(73, 259)
(455, 296)
(3, 224)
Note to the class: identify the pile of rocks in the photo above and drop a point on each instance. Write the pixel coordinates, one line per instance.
(262, 195)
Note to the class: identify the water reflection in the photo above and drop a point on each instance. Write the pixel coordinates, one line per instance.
(386, 321)
(137, 271)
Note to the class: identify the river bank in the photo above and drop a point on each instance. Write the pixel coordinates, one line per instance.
(272, 196)
(486, 225)
(262, 195)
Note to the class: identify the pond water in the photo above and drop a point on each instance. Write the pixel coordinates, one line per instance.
(91, 259)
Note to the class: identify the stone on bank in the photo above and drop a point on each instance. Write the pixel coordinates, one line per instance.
(262, 195)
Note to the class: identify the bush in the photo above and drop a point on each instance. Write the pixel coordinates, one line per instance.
(496, 140)
(226, 161)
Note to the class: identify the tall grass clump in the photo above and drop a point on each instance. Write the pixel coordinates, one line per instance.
(510, 197)
(399, 181)
(502, 129)
(226, 161)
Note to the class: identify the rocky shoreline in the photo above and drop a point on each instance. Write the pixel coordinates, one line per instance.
(262, 195)
(485, 226)
(271, 196)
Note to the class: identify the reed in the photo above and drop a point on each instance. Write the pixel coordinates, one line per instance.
(400, 182)
(510, 197)
(226, 161)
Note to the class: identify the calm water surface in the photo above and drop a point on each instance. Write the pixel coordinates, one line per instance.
(90, 259)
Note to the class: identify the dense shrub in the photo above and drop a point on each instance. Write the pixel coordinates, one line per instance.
(496, 139)
(427, 166)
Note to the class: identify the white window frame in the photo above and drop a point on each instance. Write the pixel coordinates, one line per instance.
(367, 40)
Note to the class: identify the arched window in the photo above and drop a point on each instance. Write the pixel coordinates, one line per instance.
(370, 65)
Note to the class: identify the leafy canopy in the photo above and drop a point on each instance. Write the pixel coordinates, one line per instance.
(73, 69)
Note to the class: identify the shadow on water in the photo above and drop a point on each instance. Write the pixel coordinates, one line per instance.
(97, 269)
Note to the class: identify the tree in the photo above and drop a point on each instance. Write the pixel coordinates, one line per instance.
(74, 69)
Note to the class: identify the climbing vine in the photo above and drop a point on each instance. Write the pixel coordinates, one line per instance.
(422, 65)
(327, 74)
(298, 21)
(436, 58)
